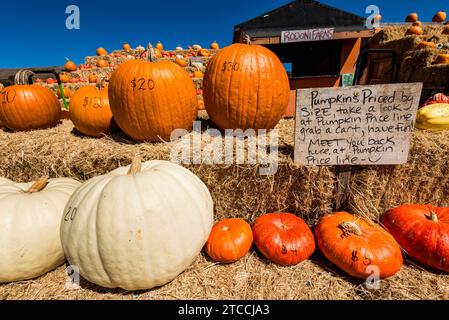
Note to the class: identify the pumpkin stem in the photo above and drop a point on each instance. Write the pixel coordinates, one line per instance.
(39, 185)
(350, 228)
(136, 166)
(433, 217)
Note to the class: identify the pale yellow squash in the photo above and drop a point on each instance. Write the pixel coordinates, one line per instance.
(433, 117)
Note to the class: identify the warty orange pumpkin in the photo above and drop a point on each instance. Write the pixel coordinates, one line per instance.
(229, 241)
(29, 107)
(149, 100)
(246, 86)
(90, 111)
(422, 231)
(283, 238)
(356, 245)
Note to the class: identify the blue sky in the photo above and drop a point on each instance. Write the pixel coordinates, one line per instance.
(34, 32)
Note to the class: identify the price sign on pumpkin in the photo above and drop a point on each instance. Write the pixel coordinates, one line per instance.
(360, 125)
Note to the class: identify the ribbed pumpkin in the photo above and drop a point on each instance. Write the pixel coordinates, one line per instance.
(29, 107)
(90, 111)
(149, 100)
(246, 86)
(354, 244)
(422, 231)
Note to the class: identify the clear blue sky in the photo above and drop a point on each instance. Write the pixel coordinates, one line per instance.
(34, 33)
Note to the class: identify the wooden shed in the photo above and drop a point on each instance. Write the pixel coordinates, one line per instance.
(317, 43)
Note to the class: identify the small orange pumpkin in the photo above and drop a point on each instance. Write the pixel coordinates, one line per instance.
(415, 30)
(67, 93)
(102, 63)
(90, 111)
(214, 46)
(102, 52)
(198, 74)
(159, 46)
(357, 246)
(229, 240)
(64, 78)
(417, 24)
(412, 17)
(126, 47)
(70, 66)
(283, 238)
(181, 62)
(204, 53)
(29, 107)
(201, 104)
(93, 78)
(439, 17)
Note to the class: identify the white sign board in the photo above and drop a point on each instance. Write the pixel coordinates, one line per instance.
(307, 35)
(360, 125)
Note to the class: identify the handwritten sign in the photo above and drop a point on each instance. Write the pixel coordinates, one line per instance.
(360, 125)
(307, 35)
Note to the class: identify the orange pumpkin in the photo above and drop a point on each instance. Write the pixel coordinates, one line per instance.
(198, 74)
(159, 46)
(214, 46)
(427, 45)
(439, 17)
(29, 107)
(283, 238)
(422, 231)
(442, 58)
(64, 78)
(90, 111)
(93, 78)
(70, 66)
(101, 63)
(102, 52)
(246, 86)
(415, 30)
(417, 24)
(358, 246)
(67, 93)
(229, 240)
(151, 99)
(126, 47)
(181, 62)
(204, 53)
(157, 53)
(412, 17)
(201, 104)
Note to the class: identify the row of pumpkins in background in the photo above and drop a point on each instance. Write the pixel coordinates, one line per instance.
(150, 99)
(140, 226)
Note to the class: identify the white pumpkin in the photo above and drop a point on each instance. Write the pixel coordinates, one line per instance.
(137, 227)
(30, 219)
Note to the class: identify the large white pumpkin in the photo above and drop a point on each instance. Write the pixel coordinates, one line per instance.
(137, 227)
(30, 219)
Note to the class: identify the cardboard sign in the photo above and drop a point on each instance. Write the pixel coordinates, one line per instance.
(307, 35)
(360, 125)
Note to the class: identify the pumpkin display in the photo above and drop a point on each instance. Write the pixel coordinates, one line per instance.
(246, 86)
(229, 241)
(90, 111)
(150, 222)
(283, 238)
(426, 45)
(433, 117)
(67, 93)
(214, 46)
(412, 17)
(93, 78)
(422, 231)
(64, 78)
(415, 30)
(101, 63)
(442, 58)
(439, 17)
(149, 100)
(126, 47)
(159, 46)
(30, 218)
(70, 66)
(355, 244)
(29, 107)
(102, 52)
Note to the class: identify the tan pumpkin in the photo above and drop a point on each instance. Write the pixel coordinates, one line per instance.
(246, 86)
(149, 100)
(29, 107)
(90, 111)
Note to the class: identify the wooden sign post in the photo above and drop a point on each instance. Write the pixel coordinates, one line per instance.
(359, 125)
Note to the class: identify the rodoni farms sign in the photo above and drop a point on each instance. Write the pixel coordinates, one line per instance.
(307, 35)
(360, 125)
